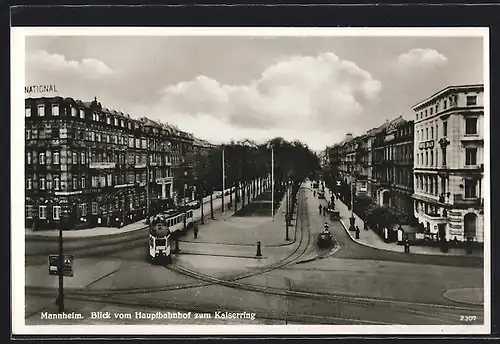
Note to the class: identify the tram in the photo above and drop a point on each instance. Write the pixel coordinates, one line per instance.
(162, 228)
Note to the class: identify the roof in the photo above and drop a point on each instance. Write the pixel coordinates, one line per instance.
(447, 90)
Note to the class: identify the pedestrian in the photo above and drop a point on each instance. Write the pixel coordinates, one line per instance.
(195, 231)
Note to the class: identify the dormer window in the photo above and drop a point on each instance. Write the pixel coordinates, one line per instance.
(55, 110)
(82, 113)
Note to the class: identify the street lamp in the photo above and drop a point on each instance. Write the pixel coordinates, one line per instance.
(272, 179)
(60, 267)
(287, 217)
(223, 179)
(352, 219)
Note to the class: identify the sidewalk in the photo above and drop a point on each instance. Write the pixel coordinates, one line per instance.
(227, 229)
(371, 239)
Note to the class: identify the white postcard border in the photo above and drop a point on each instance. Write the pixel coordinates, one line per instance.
(18, 35)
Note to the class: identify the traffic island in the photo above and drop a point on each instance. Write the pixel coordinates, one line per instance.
(470, 296)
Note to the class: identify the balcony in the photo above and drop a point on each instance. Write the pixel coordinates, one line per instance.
(140, 165)
(102, 165)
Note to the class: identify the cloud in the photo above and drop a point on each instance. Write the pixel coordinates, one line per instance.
(55, 63)
(418, 57)
(298, 94)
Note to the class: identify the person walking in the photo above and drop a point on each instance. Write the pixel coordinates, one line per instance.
(195, 230)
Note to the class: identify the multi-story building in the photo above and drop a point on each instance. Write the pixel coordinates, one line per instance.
(448, 173)
(393, 168)
(91, 164)
(202, 147)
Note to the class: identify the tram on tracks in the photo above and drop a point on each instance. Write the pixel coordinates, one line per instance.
(163, 228)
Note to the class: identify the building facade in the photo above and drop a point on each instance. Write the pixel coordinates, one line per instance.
(393, 168)
(449, 165)
(90, 165)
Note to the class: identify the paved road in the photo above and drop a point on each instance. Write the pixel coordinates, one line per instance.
(366, 286)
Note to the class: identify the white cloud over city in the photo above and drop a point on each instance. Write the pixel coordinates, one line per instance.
(422, 58)
(314, 90)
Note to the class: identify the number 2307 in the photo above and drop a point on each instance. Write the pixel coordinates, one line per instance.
(468, 318)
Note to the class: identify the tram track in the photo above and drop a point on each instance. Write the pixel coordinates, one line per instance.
(206, 280)
(234, 283)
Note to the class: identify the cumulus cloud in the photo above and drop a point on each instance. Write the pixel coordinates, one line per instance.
(55, 63)
(419, 57)
(300, 93)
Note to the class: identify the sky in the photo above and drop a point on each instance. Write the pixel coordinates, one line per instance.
(314, 89)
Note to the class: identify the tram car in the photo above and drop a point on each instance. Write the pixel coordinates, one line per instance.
(162, 228)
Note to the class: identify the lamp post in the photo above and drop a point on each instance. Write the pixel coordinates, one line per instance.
(287, 217)
(184, 197)
(352, 219)
(223, 179)
(272, 183)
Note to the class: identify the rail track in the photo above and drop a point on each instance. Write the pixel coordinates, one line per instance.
(120, 296)
(205, 280)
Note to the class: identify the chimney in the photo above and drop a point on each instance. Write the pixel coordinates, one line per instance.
(348, 136)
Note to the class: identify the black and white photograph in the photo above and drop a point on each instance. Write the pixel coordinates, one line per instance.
(246, 177)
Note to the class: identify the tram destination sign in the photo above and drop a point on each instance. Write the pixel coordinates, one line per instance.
(68, 265)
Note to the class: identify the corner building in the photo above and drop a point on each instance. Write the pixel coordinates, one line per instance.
(449, 165)
(90, 164)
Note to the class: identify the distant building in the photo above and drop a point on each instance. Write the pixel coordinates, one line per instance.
(448, 173)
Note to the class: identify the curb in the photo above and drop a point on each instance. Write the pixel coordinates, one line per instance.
(411, 253)
(462, 301)
(218, 255)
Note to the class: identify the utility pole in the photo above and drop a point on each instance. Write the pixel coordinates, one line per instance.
(272, 183)
(287, 210)
(223, 179)
(61, 272)
(147, 176)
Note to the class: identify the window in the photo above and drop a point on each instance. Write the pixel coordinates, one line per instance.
(27, 112)
(42, 212)
(445, 129)
(108, 120)
(116, 121)
(73, 112)
(29, 211)
(75, 183)
(437, 157)
(426, 133)
(29, 183)
(444, 156)
(470, 188)
(426, 158)
(56, 158)
(432, 133)
(445, 105)
(470, 156)
(471, 126)
(471, 100)
(94, 208)
(431, 111)
(41, 110)
(75, 158)
(55, 110)
(437, 108)
(83, 209)
(82, 113)
(28, 158)
(122, 124)
(56, 212)
(41, 159)
(83, 183)
(42, 183)
(57, 183)
(432, 158)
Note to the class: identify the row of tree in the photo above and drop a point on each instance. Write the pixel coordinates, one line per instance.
(248, 165)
